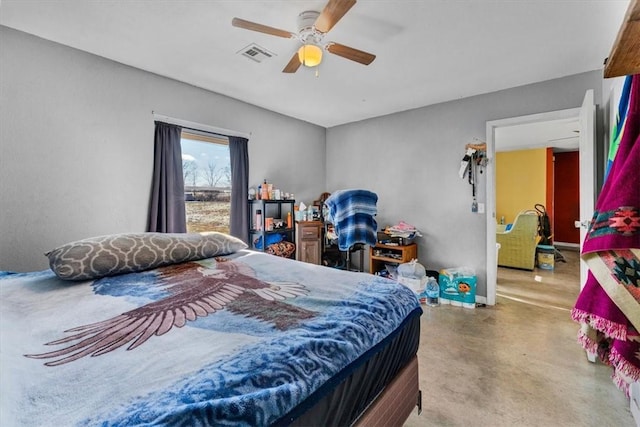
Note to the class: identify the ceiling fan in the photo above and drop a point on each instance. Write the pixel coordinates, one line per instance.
(312, 27)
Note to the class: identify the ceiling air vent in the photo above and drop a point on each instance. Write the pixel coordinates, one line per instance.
(257, 53)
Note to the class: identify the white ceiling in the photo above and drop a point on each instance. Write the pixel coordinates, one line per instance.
(561, 134)
(428, 51)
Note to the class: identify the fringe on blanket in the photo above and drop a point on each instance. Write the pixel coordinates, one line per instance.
(624, 373)
(613, 343)
(609, 328)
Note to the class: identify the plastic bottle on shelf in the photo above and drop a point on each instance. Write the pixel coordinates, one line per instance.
(432, 291)
(264, 190)
(258, 219)
(289, 220)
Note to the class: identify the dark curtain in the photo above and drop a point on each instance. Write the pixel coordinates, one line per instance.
(167, 209)
(239, 157)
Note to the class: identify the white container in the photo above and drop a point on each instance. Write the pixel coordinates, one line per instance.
(416, 285)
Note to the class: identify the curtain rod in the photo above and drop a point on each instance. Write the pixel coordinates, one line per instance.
(199, 126)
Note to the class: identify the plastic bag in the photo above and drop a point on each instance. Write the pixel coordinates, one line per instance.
(412, 269)
(459, 272)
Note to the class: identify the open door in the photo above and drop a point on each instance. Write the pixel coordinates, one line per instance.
(587, 175)
(587, 181)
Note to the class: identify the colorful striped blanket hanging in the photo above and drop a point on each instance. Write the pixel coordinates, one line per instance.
(608, 307)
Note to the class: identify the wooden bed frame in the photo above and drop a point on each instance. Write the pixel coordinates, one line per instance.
(394, 404)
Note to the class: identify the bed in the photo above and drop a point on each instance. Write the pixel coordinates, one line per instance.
(196, 330)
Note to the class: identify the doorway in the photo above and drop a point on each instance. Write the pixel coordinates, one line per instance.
(542, 179)
(585, 117)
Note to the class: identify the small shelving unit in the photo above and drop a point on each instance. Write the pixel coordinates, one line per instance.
(381, 254)
(277, 209)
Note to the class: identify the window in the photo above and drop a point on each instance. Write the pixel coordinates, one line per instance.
(206, 169)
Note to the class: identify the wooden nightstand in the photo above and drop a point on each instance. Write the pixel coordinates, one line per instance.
(381, 254)
(309, 241)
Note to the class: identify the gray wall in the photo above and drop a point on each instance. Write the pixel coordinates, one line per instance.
(76, 148)
(76, 145)
(411, 160)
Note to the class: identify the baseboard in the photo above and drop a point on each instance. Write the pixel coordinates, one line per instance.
(575, 246)
(634, 392)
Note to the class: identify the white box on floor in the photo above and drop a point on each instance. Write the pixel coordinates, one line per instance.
(416, 285)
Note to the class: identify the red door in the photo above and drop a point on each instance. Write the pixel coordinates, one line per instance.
(566, 197)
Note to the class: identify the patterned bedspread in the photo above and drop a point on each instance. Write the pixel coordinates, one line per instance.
(238, 340)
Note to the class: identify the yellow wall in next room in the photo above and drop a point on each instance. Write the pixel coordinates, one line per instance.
(521, 178)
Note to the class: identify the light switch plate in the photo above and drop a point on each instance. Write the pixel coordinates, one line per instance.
(480, 207)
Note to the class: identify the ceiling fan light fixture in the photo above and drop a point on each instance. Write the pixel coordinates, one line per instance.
(310, 55)
(312, 28)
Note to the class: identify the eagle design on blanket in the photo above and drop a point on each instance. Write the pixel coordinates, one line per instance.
(194, 291)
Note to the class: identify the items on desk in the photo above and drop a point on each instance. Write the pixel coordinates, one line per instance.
(401, 234)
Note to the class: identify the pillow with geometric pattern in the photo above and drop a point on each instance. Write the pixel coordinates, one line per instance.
(129, 252)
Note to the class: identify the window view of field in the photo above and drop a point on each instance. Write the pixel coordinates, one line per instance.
(208, 216)
(206, 170)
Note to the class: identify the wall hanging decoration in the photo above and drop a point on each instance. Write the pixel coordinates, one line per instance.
(473, 162)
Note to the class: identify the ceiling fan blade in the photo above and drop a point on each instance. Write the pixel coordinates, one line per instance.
(293, 64)
(351, 53)
(332, 13)
(248, 25)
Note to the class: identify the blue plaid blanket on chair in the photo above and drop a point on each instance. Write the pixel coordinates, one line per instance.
(352, 214)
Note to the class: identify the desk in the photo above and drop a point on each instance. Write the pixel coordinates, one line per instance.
(382, 254)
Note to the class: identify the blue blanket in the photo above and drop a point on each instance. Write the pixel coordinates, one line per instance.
(352, 213)
(240, 340)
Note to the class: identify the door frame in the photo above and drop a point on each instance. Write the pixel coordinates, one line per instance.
(492, 252)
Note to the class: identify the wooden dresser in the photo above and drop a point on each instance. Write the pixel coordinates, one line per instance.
(309, 241)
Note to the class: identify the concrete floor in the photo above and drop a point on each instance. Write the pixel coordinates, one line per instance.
(517, 363)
